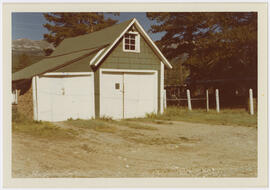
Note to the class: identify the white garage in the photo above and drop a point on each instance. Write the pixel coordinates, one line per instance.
(128, 94)
(117, 72)
(62, 96)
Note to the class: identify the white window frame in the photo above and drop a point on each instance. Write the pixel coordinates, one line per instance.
(137, 43)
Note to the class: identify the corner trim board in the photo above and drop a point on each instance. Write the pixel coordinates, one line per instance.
(35, 105)
(161, 86)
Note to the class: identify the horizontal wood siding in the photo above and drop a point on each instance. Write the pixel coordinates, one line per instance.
(146, 59)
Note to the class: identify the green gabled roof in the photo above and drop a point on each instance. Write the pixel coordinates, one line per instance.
(72, 50)
(50, 64)
(92, 40)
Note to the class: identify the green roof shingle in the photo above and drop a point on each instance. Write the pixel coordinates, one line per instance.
(72, 50)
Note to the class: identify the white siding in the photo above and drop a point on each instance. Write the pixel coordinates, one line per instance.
(65, 96)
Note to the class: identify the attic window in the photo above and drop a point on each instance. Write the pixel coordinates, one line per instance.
(131, 42)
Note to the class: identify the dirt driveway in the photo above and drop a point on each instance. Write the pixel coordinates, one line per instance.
(175, 149)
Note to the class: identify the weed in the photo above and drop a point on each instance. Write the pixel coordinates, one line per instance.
(128, 134)
(106, 118)
(105, 129)
(38, 128)
(155, 140)
(235, 117)
(162, 122)
(88, 149)
(151, 115)
(134, 125)
(96, 124)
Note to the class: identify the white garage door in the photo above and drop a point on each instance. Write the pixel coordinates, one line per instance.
(128, 94)
(63, 97)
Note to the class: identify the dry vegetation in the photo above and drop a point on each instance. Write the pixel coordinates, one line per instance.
(22, 124)
(132, 148)
(235, 117)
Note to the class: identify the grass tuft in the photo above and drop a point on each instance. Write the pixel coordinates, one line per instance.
(99, 125)
(105, 129)
(38, 128)
(234, 117)
(134, 125)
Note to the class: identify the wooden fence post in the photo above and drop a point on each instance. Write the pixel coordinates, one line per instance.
(189, 101)
(217, 100)
(251, 102)
(207, 101)
(178, 97)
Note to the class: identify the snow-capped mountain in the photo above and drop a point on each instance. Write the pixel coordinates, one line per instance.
(30, 46)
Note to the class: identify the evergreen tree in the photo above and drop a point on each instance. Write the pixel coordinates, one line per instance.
(47, 51)
(24, 60)
(219, 45)
(63, 25)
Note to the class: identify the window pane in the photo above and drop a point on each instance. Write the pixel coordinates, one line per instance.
(117, 86)
(130, 42)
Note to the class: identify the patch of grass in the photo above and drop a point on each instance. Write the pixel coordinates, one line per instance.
(106, 118)
(234, 117)
(158, 140)
(88, 149)
(39, 129)
(105, 129)
(107, 125)
(95, 124)
(134, 125)
(162, 122)
(155, 140)
(80, 123)
(184, 139)
(127, 134)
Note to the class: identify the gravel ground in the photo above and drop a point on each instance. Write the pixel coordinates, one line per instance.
(174, 149)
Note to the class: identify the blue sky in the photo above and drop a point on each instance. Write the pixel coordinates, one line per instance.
(30, 25)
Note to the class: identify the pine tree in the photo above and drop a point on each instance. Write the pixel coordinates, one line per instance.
(219, 45)
(64, 25)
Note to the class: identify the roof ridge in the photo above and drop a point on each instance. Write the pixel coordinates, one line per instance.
(106, 28)
(98, 47)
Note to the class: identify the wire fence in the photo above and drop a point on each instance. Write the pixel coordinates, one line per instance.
(175, 96)
(207, 99)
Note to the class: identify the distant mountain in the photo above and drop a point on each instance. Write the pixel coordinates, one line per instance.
(26, 52)
(31, 47)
